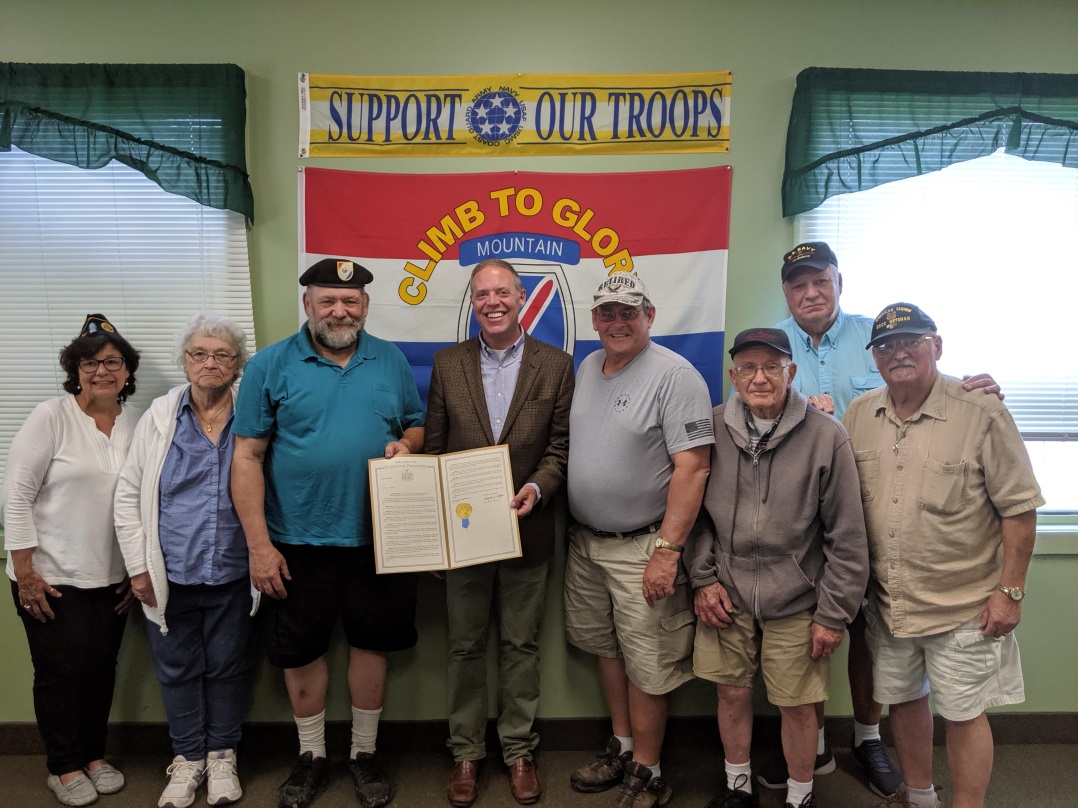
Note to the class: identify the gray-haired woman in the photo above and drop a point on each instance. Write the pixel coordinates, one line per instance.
(186, 553)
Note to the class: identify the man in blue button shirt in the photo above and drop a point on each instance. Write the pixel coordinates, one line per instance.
(833, 369)
(311, 410)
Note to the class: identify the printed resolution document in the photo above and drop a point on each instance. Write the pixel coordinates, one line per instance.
(437, 512)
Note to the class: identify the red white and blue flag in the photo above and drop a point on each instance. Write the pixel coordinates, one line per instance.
(421, 234)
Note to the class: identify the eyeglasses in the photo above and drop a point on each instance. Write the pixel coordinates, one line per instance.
(110, 363)
(610, 315)
(907, 344)
(772, 369)
(222, 358)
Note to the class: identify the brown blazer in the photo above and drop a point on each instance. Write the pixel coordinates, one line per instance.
(536, 427)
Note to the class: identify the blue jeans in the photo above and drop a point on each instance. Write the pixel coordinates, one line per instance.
(203, 665)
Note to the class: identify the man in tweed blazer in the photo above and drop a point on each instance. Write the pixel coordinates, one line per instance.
(501, 387)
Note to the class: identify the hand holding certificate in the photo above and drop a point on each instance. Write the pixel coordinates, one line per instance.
(440, 512)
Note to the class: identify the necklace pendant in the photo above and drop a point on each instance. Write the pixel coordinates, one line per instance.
(895, 447)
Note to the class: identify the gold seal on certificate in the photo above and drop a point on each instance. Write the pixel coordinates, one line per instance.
(414, 499)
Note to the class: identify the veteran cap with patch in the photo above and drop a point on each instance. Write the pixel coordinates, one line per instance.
(900, 318)
(769, 337)
(813, 254)
(336, 272)
(97, 324)
(621, 287)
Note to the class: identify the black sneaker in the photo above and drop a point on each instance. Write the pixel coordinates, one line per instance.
(641, 789)
(605, 772)
(306, 782)
(373, 788)
(735, 798)
(808, 802)
(884, 778)
(774, 774)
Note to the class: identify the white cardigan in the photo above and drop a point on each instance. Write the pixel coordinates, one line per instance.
(138, 495)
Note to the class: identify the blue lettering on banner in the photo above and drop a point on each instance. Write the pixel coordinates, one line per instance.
(416, 118)
(519, 245)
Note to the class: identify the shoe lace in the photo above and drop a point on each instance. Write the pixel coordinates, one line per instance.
(184, 770)
(221, 768)
(877, 756)
(367, 770)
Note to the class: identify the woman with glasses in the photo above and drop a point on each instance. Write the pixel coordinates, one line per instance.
(187, 557)
(66, 570)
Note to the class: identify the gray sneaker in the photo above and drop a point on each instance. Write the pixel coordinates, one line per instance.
(605, 772)
(107, 779)
(80, 791)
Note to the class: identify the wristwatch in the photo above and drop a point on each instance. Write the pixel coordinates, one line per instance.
(1015, 593)
(663, 544)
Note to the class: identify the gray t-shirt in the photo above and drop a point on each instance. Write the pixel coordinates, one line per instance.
(623, 429)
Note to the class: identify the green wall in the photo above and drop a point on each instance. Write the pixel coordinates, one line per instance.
(765, 43)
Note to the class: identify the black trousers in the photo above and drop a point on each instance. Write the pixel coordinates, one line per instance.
(74, 658)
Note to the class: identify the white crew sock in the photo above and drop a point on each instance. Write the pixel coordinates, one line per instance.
(739, 776)
(626, 743)
(865, 732)
(364, 730)
(921, 797)
(312, 734)
(821, 744)
(796, 792)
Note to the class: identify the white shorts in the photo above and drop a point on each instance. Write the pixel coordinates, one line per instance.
(965, 671)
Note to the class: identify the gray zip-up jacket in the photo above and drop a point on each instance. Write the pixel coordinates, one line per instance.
(787, 532)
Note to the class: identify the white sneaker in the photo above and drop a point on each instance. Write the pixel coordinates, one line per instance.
(222, 784)
(184, 778)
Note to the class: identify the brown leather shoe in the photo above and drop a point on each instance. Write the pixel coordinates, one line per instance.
(462, 790)
(524, 781)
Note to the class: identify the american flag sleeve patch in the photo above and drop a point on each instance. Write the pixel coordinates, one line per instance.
(704, 428)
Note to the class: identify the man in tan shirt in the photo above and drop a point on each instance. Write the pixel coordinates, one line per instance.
(950, 503)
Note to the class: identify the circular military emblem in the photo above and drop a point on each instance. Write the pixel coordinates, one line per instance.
(495, 117)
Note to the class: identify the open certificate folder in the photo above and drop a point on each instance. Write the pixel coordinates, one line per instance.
(437, 512)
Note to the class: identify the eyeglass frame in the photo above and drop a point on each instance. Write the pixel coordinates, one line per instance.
(91, 365)
(781, 366)
(221, 358)
(606, 315)
(907, 343)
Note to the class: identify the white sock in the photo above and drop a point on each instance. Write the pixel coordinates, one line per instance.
(312, 734)
(921, 797)
(865, 732)
(364, 730)
(739, 776)
(796, 792)
(626, 743)
(821, 744)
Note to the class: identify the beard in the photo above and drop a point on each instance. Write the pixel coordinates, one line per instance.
(336, 335)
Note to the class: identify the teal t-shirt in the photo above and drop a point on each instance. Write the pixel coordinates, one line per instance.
(323, 423)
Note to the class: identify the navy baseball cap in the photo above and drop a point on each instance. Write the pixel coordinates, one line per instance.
(813, 254)
(769, 337)
(900, 318)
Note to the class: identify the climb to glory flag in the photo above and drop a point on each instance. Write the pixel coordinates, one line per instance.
(421, 235)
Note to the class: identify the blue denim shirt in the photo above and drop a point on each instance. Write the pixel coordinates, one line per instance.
(200, 533)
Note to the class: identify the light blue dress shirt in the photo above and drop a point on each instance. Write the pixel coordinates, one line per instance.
(500, 370)
(840, 366)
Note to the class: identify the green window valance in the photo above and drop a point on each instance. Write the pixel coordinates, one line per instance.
(183, 126)
(852, 129)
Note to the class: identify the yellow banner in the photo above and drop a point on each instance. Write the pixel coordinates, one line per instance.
(521, 114)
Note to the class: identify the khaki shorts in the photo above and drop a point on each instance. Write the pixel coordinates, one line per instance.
(779, 649)
(606, 614)
(965, 671)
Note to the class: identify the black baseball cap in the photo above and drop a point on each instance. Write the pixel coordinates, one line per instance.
(769, 337)
(814, 254)
(336, 272)
(900, 318)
